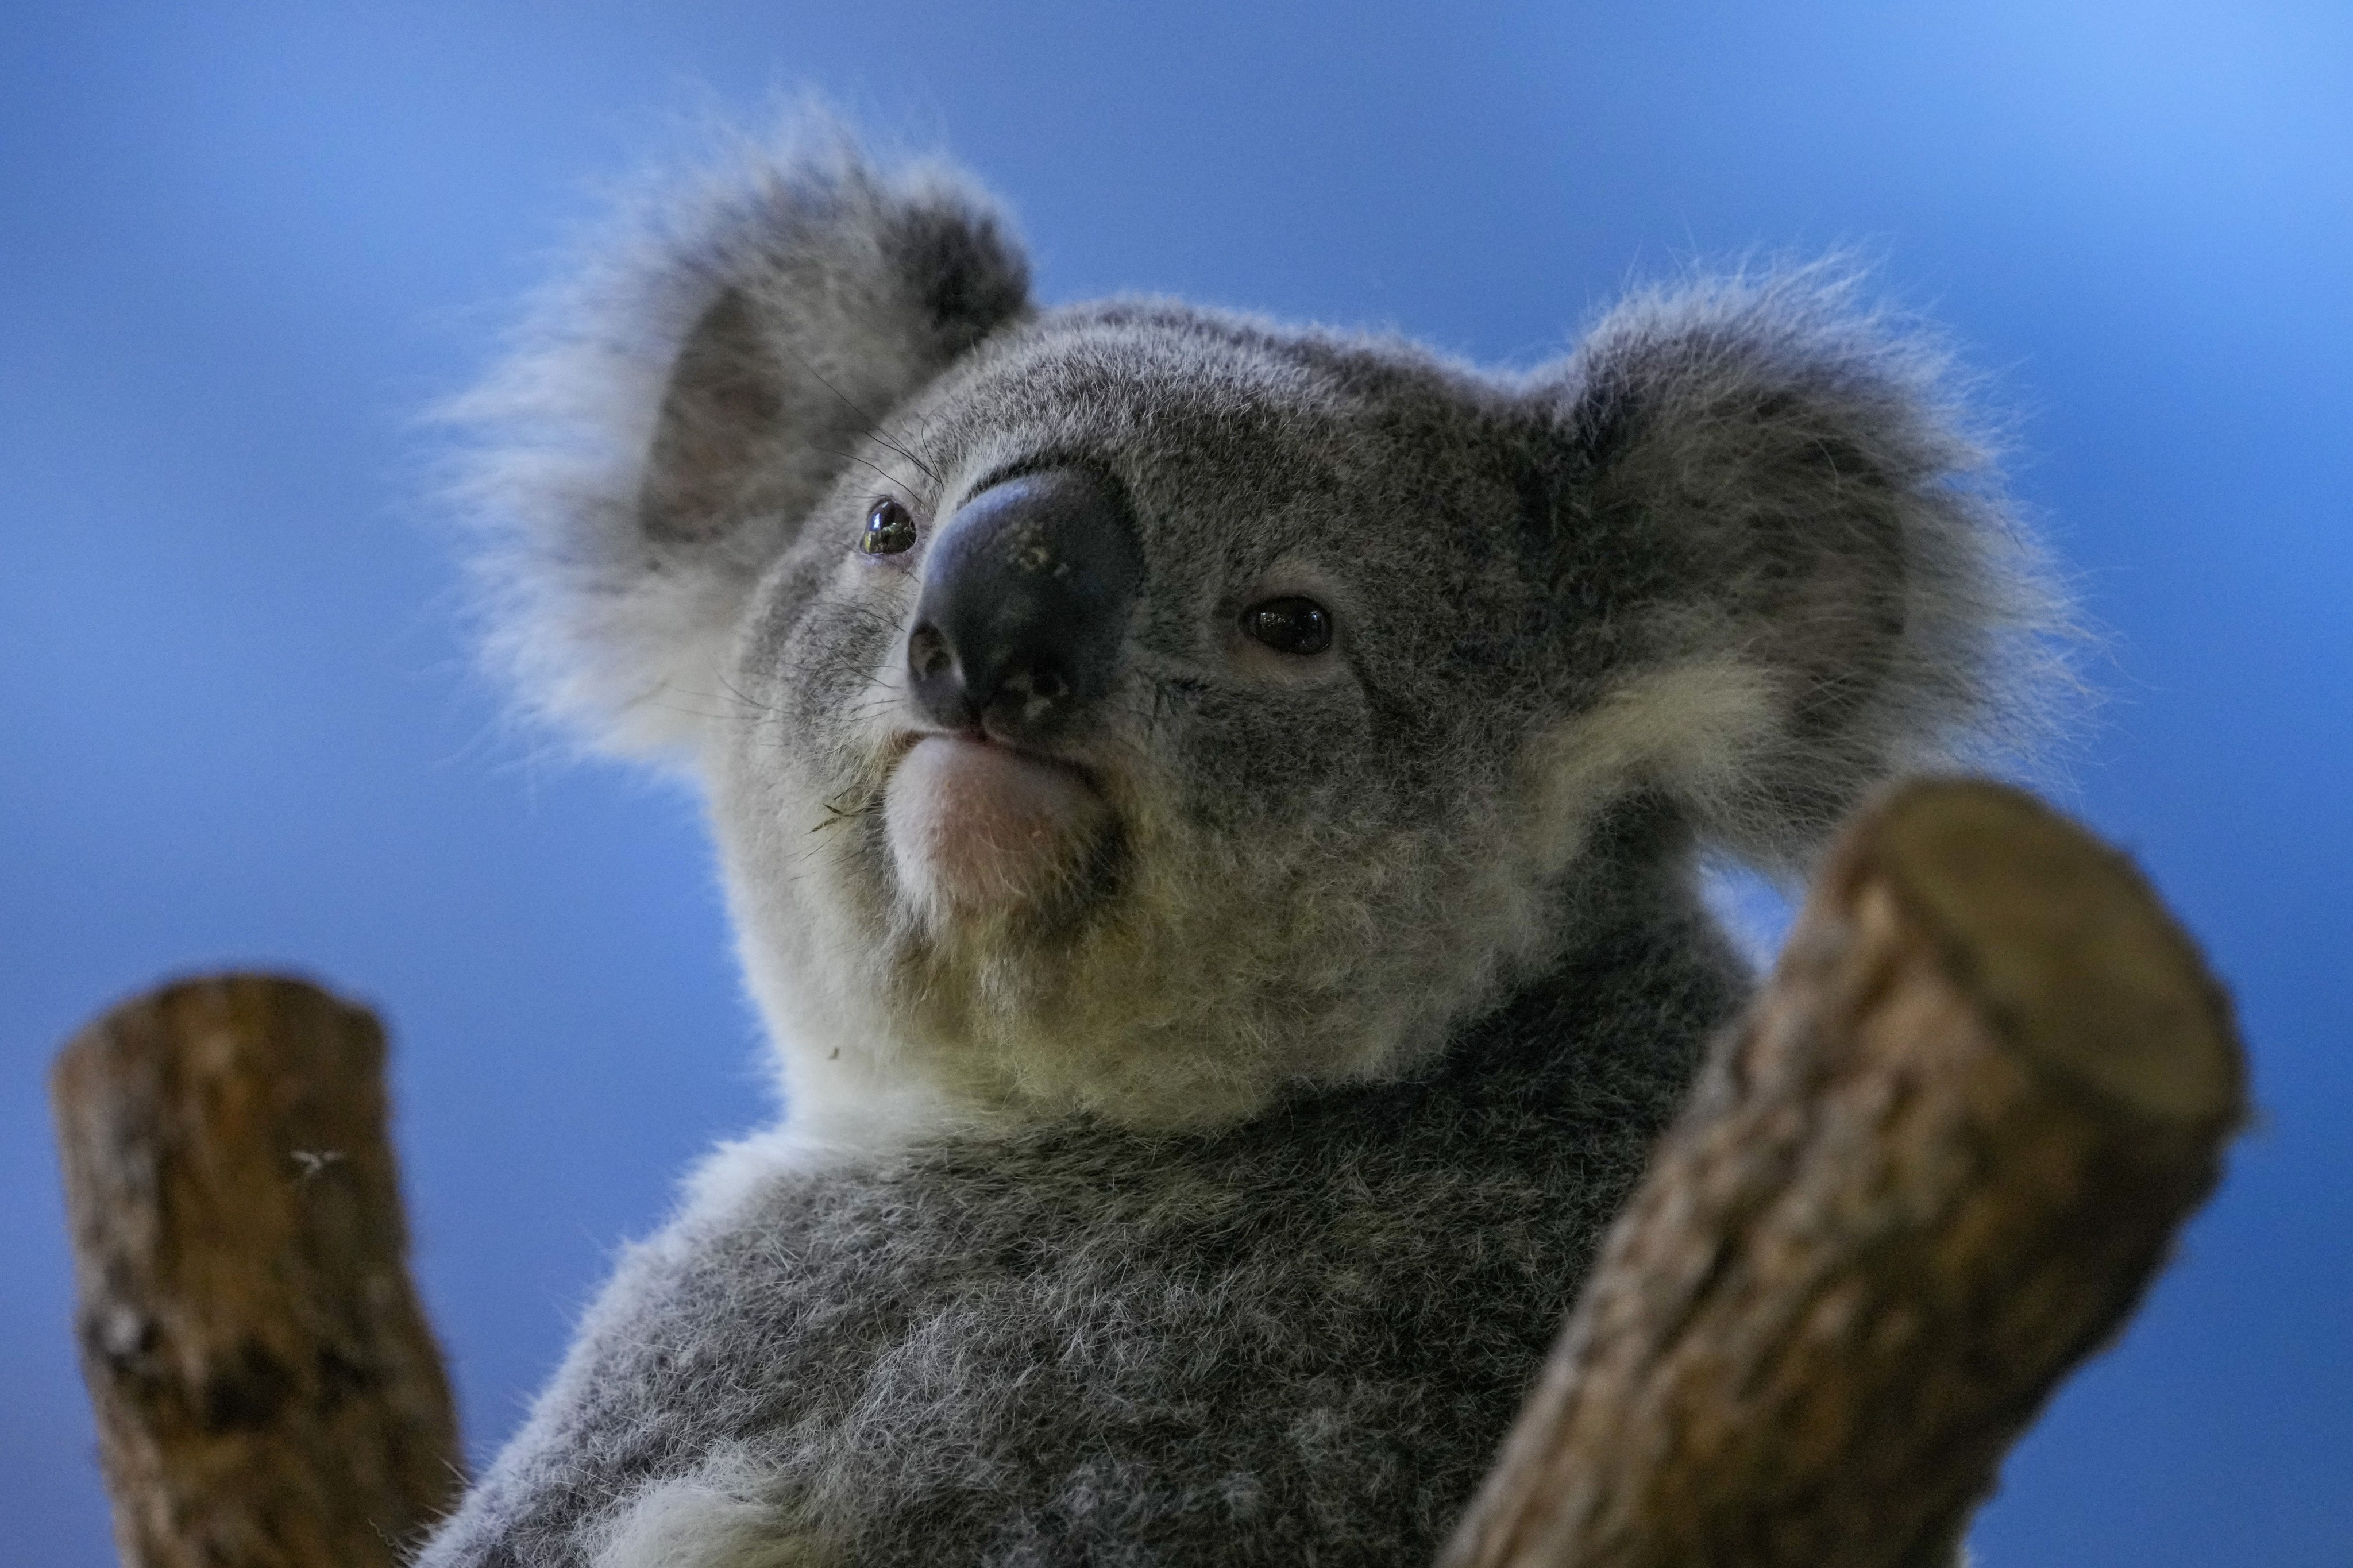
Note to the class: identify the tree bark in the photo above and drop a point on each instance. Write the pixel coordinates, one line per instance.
(1933, 1168)
(268, 1394)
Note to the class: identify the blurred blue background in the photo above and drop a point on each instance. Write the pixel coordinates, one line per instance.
(242, 245)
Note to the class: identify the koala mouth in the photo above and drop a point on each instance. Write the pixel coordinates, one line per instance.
(976, 826)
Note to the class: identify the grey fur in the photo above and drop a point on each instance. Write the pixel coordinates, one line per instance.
(1216, 1207)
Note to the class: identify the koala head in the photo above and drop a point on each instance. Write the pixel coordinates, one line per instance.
(1142, 709)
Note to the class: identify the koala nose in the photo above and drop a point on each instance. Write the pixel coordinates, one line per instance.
(1025, 597)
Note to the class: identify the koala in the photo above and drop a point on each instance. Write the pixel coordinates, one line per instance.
(1212, 813)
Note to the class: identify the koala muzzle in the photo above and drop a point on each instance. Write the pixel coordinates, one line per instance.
(1027, 594)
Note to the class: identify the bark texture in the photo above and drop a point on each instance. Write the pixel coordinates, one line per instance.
(268, 1394)
(1932, 1169)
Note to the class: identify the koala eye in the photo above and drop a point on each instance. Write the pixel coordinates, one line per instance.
(890, 528)
(1289, 625)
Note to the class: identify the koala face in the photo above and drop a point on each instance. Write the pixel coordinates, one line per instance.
(1131, 706)
(1141, 711)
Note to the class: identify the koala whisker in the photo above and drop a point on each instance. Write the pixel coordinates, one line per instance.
(836, 813)
(873, 424)
(885, 474)
(747, 699)
(889, 622)
(691, 711)
(929, 472)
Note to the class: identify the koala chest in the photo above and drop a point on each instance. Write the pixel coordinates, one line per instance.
(1084, 1339)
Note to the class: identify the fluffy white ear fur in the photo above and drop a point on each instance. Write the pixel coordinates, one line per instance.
(1693, 730)
(1849, 598)
(664, 422)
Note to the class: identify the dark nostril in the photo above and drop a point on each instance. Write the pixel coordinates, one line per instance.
(928, 655)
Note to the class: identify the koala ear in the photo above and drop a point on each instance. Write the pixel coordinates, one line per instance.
(1782, 558)
(670, 416)
(725, 403)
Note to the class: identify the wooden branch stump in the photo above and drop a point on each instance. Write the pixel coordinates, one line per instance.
(268, 1394)
(1933, 1168)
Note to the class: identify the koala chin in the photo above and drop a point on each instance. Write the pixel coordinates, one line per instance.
(1211, 813)
(976, 827)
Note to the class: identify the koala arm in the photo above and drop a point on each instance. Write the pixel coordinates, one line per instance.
(627, 1459)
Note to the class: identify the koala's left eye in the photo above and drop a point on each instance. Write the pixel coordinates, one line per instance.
(890, 528)
(1289, 625)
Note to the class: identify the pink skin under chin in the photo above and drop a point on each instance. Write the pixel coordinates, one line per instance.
(975, 826)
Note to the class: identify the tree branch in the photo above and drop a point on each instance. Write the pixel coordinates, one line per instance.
(268, 1394)
(1932, 1169)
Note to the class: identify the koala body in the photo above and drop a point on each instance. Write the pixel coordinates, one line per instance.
(1211, 812)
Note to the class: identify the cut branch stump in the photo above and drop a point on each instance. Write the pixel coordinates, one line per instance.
(269, 1393)
(1932, 1169)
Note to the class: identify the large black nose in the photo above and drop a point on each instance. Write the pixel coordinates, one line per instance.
(1026, 598)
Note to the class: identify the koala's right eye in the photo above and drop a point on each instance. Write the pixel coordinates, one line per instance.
(1289, 625)
(890, 528)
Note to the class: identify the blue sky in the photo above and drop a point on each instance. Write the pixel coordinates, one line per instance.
(242, 246)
